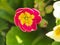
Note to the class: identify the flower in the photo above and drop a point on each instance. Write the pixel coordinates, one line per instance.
(27, 19)
(55, 34)
(56, 5)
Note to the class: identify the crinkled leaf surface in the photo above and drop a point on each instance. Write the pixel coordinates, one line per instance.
(16, 37)
(24, 38)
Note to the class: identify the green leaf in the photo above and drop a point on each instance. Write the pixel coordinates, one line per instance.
(1, 40)
(43, 41)
(17, 37)
(3, 24)
(7, 8)
(56, 43)
(15, 3)
(28, 3)
(51, 21)
(4, 15)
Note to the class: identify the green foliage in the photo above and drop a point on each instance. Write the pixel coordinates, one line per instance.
(51, 22)
(14, 36)
(1, 40)
(15, 3)
(27, 3)
(3, 24)
(44, 41)
(56, 43)
(6, 16)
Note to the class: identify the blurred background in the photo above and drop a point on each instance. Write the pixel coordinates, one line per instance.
(12, 35)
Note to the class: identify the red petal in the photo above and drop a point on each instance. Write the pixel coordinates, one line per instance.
(38, 18)
(19, 9)
(36, 12)
(16, 20)
(25, 28)
(28, 10)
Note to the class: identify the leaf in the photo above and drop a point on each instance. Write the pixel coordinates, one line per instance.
(4, 15)
(3, 24)
(16, 37)
(51, 21)
(15, 3)
(44, 41)
(1, 40)
(28, 3)
(56, 43)
(7, 8)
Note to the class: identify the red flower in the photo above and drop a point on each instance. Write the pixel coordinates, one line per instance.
(27, 19)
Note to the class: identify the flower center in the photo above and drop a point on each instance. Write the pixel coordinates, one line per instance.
(57, 32)
(26, 18)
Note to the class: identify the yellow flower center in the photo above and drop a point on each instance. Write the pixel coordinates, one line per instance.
(57, 32)
(26, 18)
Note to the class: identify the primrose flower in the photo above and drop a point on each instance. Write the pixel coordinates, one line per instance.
(55, 34)
(27, 19)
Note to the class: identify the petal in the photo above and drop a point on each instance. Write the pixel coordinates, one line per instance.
(30, 28)
(25, 28)
(38, 18)
(50, 34)
(28, 10)
(56, 5)
(16, 20)
(19, 9)
(56, 27)
(57, 39)
(36, 12)
(34, 26)
(56, 14)
(21, 27)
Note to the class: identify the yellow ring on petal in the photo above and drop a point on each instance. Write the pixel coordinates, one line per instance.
(26, 18)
